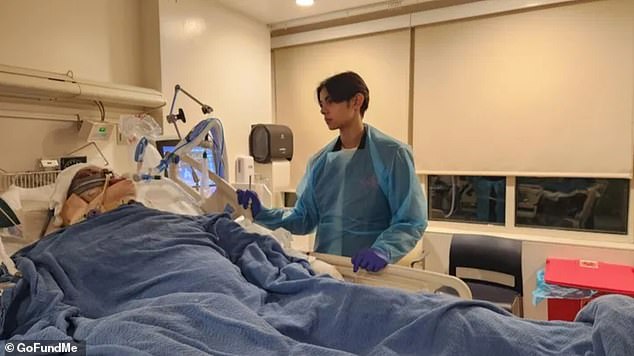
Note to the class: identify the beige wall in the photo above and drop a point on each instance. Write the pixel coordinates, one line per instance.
(97, 40)
(217, 55)
(546, 88)
(383, 62)
(150, 45)
(23, 141)
(222, 58)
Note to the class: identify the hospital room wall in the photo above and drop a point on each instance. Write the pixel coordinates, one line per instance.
(224, 59)
(550, 89)
(219, 56)
(100, 40)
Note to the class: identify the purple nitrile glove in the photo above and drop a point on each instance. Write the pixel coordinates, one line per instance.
(248, 196)
(369, 259)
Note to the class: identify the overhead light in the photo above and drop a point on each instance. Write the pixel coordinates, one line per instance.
(304, 2)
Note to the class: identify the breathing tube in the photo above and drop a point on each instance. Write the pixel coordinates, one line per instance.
(195, 138)
(218, 150)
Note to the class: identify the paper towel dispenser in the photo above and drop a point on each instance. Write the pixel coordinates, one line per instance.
(269, 142)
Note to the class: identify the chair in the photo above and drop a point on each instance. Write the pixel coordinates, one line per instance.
(503, 257)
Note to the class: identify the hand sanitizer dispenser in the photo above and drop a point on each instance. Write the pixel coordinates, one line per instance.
(244, 169)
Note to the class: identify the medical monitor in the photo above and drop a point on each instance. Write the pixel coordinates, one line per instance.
(185, 171)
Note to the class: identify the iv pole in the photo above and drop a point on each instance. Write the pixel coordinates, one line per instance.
(172, 118)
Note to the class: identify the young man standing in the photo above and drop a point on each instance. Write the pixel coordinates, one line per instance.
(360, 191)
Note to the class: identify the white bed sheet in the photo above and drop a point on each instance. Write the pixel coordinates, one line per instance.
(166, 195)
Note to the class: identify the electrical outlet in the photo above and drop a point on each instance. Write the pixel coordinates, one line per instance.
(49, 164)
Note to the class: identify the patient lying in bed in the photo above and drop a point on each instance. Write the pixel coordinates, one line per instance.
(138, 281)
(92, 190)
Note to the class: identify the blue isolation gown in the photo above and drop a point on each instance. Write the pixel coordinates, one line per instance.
(368, 197)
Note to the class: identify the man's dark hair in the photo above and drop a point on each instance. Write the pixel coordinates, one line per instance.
(344, 86)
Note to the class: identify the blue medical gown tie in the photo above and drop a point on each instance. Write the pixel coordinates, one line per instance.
(369, 197)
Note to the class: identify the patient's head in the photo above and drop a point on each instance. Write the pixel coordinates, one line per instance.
(95, 190)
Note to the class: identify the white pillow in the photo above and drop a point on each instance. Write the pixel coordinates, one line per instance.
(166, 195)
(35, 198)
(60, 190)
(31, 208)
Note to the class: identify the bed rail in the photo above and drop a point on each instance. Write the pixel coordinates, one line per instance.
(27, 179)
(393, 276)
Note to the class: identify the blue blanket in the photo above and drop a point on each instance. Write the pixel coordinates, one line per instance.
(137, 281)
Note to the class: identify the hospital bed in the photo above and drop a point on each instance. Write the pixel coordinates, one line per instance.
(146, 281)
(176, 196)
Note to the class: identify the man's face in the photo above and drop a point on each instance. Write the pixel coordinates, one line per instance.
(336, 115)
(118, 191)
